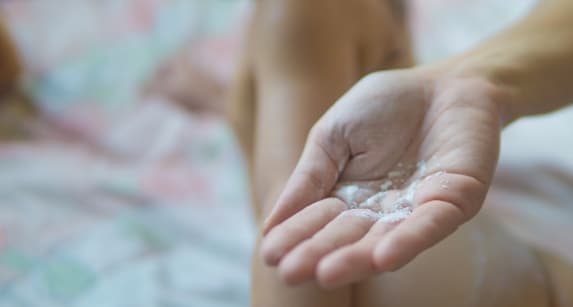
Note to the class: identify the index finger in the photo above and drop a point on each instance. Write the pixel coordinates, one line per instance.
(312, 180)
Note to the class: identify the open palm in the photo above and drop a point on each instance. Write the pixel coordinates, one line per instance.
(395, 166)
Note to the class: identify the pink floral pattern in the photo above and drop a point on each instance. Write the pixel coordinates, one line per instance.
(139, 203)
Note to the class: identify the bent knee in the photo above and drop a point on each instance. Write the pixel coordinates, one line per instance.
(479, 265)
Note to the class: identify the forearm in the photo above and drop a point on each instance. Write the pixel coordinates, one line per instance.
(532, 61)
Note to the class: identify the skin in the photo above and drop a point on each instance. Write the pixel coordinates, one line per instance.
(449, 114)
(455, 130)
(286, 72)
(378, 123)
(542, 217)
(296, 77)
(258, 109)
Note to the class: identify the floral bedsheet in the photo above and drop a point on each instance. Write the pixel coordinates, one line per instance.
(134, 202)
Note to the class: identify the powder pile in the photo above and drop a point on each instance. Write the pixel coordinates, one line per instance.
(391, 199)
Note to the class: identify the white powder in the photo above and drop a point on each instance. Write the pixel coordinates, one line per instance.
(396, 216)
(421, 168)
(434, 175)
(395, 174)
(444, 184)
(410, 192)
(386, 185)
(374, 202)
(348, 193)
(363, 213)
(390, 217)
(355, 195)
(402, 207)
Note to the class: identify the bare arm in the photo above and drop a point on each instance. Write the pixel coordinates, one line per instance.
(533, 60)
(446, 115)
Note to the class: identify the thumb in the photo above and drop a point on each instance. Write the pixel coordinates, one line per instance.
(314, 177)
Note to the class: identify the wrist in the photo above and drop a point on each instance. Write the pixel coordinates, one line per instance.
(464, 72)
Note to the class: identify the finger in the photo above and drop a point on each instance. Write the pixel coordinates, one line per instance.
(429, 223)
(349, 227)
(312, 180)
(445, 200)
(353, 262)
(300, 227)
(356, 262)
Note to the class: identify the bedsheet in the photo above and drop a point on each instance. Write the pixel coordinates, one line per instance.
(131, 201)
(160, 220)
(124, 199)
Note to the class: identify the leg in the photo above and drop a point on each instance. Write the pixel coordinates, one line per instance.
(533, 202)
(301, 56)
(515, 253)
(285, 111)
(479, 265)
(267, 289)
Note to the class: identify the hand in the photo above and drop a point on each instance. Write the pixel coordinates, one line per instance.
(428, 140)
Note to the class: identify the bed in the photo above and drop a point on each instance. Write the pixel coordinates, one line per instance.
(125, 198)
